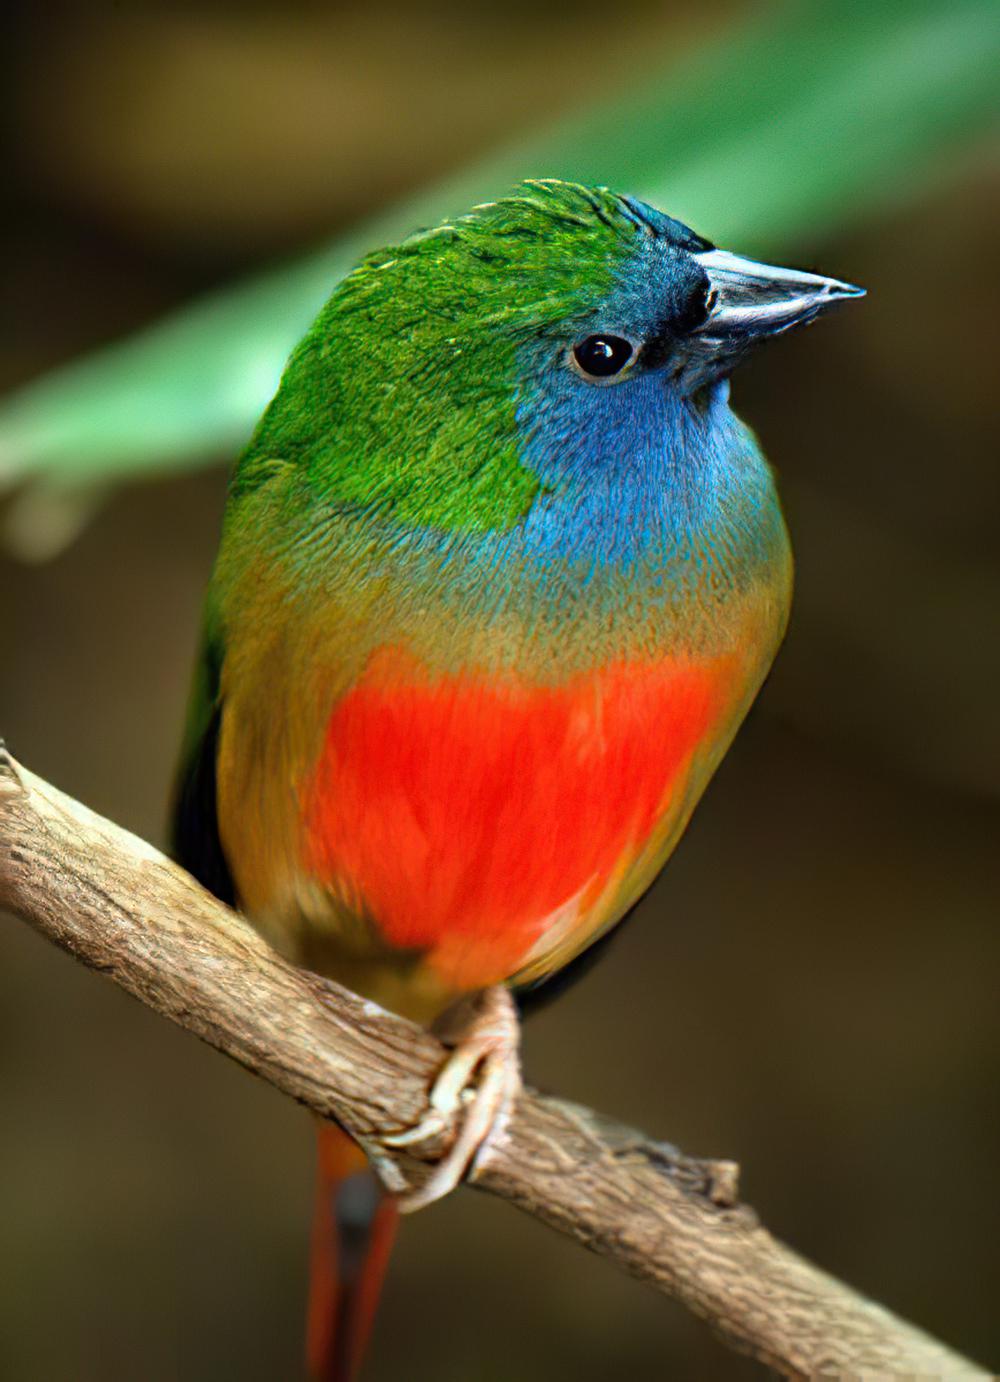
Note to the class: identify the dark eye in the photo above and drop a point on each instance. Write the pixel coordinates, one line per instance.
(601, 356)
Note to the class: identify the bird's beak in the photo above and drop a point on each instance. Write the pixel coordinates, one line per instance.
(749, 302)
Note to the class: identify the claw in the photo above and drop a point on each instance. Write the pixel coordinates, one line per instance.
(431, 1125)
(487, 1048)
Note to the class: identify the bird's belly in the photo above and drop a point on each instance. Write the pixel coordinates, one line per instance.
(467, 819)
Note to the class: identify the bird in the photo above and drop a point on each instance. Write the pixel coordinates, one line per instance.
(500, 574)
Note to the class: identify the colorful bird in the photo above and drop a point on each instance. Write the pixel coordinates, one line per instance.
(500, 575)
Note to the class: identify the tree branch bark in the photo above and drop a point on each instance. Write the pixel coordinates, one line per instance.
(123, 909)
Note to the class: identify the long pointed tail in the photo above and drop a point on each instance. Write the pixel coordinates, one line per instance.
(353, 1231)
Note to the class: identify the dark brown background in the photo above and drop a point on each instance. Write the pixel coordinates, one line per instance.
(811, 987)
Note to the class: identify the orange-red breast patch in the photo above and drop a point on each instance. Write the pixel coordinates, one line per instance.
(464, 814)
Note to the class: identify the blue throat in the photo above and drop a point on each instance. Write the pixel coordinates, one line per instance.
(640, 475)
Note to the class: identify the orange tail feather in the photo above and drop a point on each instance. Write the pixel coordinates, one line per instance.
(353, 1232)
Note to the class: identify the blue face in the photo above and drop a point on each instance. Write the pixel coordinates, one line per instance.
(630, 457)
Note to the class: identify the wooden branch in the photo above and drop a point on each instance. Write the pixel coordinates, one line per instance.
(122, 908)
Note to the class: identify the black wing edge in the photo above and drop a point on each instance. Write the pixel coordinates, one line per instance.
(194, 823)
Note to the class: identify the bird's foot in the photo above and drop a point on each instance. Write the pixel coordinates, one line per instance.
(480, 1080)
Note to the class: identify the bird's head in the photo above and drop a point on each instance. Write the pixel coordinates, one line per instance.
(534, 343)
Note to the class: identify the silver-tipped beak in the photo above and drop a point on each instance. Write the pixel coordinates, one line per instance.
(748, 302)
(760, 299)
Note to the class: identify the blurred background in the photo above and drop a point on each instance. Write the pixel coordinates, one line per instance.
(811, 988)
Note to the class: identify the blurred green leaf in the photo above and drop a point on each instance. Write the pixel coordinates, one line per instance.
(796, 122)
